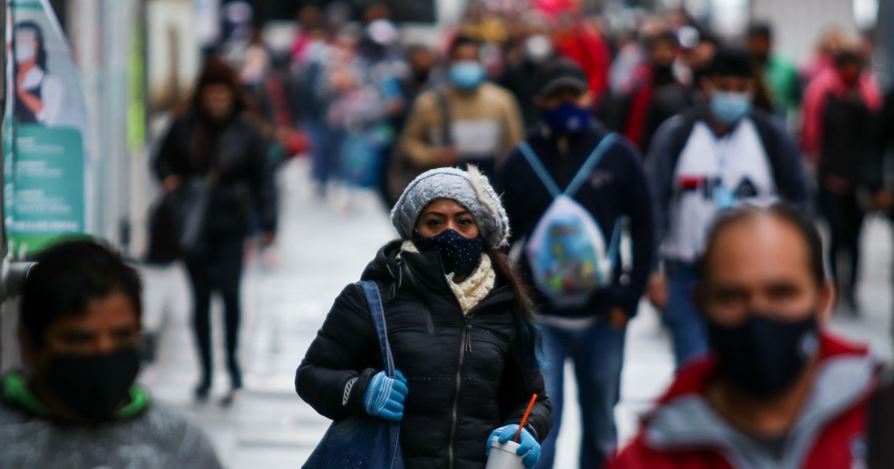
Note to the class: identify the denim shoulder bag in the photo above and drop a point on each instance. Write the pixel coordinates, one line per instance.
(363, 442)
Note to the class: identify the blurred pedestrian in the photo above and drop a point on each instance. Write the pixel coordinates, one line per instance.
(703, 162)
(420, 75)
(583, 43)
(469, 120)
(215, 151)
(878, 176)
(536, 50)
(779, 74)
(829, 43)
(76, 404)
(840, 108)
(564, 151)
(778, 390)
(653, 95)
(460, 326)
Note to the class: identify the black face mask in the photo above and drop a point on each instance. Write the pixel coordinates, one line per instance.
(763, 356)
(460, 255)
(94, 386)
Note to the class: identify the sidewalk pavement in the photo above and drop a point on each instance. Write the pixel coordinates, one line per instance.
(287, 292)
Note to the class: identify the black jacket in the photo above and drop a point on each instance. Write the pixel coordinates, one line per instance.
(848, 142)
(616, 189)
(245, 186)
(467, 375)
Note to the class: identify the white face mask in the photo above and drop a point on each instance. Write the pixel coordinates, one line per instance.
(25, 51)
(538, 48)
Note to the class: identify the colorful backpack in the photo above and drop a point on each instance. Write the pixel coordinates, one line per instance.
(567, 251)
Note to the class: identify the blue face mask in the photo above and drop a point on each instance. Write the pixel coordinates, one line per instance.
(729, 107)
(568, 118)
(460, 255)
(466, 75)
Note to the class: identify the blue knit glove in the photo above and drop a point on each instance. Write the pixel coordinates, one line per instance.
(385, 396)
(529, 447)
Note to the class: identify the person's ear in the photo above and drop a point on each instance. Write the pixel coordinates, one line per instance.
(698, 296)
(27, 347)
(751, 88)
(585, 99)
(707, 86)
(826, 304)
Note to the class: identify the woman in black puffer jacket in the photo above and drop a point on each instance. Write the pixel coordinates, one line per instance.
(460, 327)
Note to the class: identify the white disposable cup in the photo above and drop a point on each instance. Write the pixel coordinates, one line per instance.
(502, 456)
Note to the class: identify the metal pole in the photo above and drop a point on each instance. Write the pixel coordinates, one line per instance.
(3, 59)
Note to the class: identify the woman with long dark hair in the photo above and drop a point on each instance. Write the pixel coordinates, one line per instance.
(217, 141)
(38, 98)
(460, 327)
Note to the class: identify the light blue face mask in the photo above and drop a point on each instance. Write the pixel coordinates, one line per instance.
(466, 75)
(730, 107)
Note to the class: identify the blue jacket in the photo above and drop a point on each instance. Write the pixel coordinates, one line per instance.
(616, 189)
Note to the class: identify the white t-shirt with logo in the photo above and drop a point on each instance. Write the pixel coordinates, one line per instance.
(714, 173)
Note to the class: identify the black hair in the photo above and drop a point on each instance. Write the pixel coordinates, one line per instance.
(781, 212)
(668, 37)
(67, 277)
(217, 72)
(847, 57)
(40, 55)
(731, 62)
(760, 29)
(525, 324)
(460, 41)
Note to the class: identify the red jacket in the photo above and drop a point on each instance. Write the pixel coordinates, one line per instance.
(586, 46)
(684, 433)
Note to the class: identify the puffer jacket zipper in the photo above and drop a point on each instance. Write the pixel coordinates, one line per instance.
(465, 346)
(454, 411)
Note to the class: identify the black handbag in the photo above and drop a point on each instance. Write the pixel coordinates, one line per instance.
(177, 221)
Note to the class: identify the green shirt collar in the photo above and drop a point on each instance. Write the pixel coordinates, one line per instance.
(14, 390)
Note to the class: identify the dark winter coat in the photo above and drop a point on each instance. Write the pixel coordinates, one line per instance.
(467, 375)
(245, 188)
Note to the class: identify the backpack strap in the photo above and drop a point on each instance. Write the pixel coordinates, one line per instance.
(579, 178)
(614, 245)
(538, 168)
(377, 313)
(591, 162)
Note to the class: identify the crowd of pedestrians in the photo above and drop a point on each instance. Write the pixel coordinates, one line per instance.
(515, 154)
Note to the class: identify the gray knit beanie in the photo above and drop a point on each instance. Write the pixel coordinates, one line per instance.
(470, 188)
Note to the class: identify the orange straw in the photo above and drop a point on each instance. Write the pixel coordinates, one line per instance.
(524, 420)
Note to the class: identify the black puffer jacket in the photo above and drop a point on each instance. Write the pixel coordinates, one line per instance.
(245, 188)
(467, 374)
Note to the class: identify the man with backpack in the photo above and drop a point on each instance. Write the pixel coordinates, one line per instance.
(569, 190)
(703, 162)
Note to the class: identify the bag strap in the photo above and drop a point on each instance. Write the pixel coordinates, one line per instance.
(614, 245)
(579, 178)
(591, 163)
(538, 168)
(444, 108)
(377, 313)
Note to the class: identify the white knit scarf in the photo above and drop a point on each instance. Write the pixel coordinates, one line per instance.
(474, 288)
